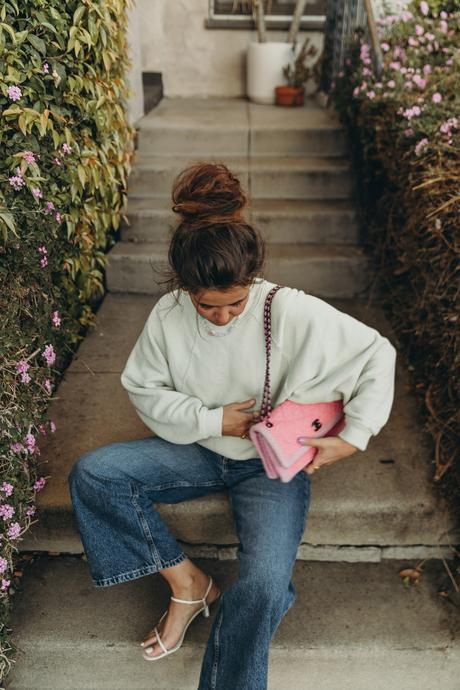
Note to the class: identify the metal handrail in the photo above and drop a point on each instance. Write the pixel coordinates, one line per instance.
(343, 17)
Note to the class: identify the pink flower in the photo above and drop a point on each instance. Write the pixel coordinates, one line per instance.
(408, 132)
(437, 98)
(37, 192)
(66, 148)
(391, 84)
(421, 83)
(427, 69)
(48, 386)
(17, 447)
(58, 217)
(56, 318)
(30, 510)
(421, 145)
(39, 484)
(16, 181)
(424, 8)
(49, 206)
(6, 511)
(443, 27)
(14, 530)
(395, 65)
(42, 429)
(52, 427)
(25, 378)
(7, 488)
(46, 68)
(56, 161)
(370, 94)
(385, 47)
(49, 354)
(3, 564)
(30, 442)
(44, 262)
(412, 41)
(14, 93)
(5, 585)
(22, 366)
(419, 30)
(28, 156)
(42, 249)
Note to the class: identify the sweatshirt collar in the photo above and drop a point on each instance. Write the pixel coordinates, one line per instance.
(255, 292)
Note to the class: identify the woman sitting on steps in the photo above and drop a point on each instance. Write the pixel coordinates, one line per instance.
(195, 378)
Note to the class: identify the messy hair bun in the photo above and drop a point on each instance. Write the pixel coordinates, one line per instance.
(212, 247)
(206, 192)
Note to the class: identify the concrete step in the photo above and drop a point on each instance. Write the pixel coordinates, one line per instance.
(292, 221)
(352, 627)
(235, 126)
(279, 177)
(375, 505)
(325, 270)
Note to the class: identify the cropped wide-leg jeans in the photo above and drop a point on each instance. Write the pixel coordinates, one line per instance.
(113, 490)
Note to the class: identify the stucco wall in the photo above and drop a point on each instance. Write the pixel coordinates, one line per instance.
(193, 60)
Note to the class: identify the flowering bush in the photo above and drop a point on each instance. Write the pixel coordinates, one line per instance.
(66, 152)
(404, 126)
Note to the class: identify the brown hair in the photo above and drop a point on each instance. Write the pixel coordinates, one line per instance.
(212, 247)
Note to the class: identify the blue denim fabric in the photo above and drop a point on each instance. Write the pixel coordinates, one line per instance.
(113, 490)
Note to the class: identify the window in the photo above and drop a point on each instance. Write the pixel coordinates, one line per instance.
(237, 14)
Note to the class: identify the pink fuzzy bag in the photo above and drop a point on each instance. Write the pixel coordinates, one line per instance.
(275, 436)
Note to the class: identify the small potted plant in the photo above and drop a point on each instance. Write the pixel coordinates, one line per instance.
(296, 73)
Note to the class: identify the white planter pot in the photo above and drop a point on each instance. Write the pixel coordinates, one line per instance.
(265, 62)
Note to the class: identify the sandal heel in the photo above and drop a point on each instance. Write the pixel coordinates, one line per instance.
(206, 612)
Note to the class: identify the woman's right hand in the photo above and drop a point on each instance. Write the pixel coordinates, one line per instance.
(236, 421)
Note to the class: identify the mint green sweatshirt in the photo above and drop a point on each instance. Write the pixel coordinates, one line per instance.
(178, 376)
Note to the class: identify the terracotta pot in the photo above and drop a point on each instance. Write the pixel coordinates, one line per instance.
(289, 95)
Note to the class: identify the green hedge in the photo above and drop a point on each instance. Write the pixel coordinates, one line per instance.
(405, 132)
(66, 152)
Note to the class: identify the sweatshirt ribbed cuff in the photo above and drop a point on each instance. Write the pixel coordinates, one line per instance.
(356, 435)
(214, 421)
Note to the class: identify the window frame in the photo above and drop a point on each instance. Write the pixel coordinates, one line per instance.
(273, 21)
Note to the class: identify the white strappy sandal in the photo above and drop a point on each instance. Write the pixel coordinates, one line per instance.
(204, 609)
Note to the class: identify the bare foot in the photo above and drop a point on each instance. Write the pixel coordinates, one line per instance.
(171, 627)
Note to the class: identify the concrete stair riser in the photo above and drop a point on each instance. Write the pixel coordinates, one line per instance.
(213, 141)
(324, 271)
(308, 142)
(333, 223)
(155, 180)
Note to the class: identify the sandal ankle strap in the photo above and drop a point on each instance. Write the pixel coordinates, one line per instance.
(195, 601)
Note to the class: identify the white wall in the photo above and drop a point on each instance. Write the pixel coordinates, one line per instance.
(136, 99)
(193, 60)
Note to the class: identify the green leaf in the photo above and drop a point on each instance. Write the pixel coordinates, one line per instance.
(8, 28)
(38, 43)
(78, 14)
(21, 36)
(8, 220)
(15, 110)
(81, 174)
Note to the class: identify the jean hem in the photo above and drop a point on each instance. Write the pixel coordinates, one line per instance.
(135, 574)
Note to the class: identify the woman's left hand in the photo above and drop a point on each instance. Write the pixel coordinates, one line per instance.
(330, 449)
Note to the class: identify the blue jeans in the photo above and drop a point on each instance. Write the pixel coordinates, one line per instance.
(113, 490)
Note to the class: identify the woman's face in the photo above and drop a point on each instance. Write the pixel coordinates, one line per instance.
(221, 306)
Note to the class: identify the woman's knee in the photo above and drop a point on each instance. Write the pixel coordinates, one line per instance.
(95, 463)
